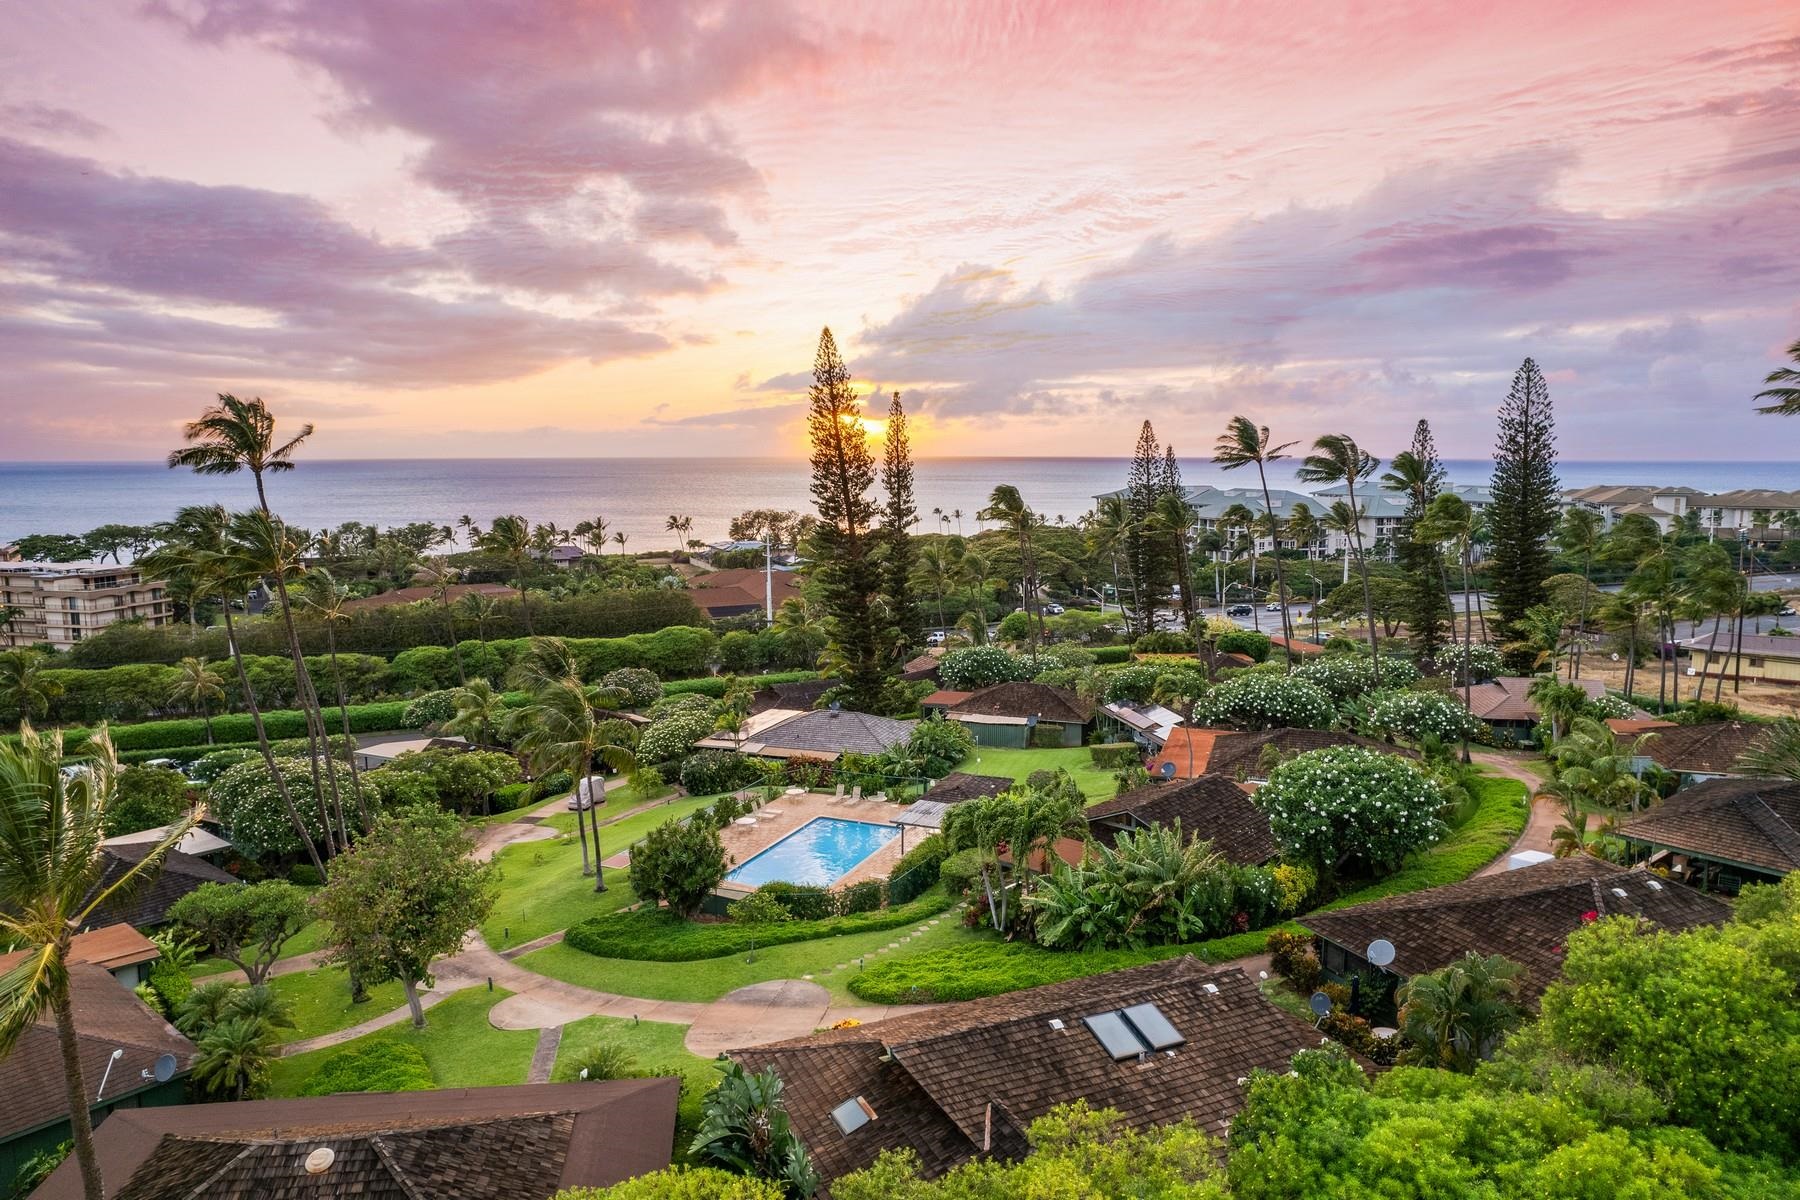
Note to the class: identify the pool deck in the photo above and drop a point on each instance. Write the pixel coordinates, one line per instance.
(743, 841)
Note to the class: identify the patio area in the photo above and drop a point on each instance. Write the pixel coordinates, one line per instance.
(749, 836)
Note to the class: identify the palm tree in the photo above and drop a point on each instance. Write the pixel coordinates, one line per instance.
(1245, 442)
(1580, 534)
(479, 608)
(510, 538)
(1786, 393)
(261, 545)
(935, 567)
(593, 535)
(1449, 522)
(194, 544)
(562, 730)
(1008, 507)
(1336, 458)
(1302, 528)
(1455, 1016)
(1776, 753)
(52, 884)
(437, 574)
(234, 1055)
(619, 540)
(1560, 703)
(479, 708)
(23, 684)
(199, 687)
(237, 435)
(324, 597)
(1108, 531)
(1175, 518)
(682, 525)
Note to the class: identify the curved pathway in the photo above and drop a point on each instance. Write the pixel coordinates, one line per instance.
(1545, 814)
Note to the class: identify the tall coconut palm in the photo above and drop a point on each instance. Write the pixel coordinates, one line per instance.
(52, 883)
(509, 537)
(324, 597)
(1579, 534)
(934, 570)
(1108, 531)
(564, 729)
(199, 687)
(1449, 523)
(1175, 519)
(1302, 527)
(679, 524)
(592, 534)
(237, 435)
(1344, 521)
(437, 574)
(1336, 458)
(24, 687)
(1007, 507)
(480, 708)
(194, 543)
(260, 545)
(478, 608)
(1786, 390)
(1245, 442)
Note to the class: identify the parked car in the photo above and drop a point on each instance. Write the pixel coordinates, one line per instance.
(1053, 610)
(1239, 610)
(1271, 608)
(936, 637)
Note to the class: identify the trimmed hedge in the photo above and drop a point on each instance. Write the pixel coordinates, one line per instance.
(1110, 656)
(989, 968)
(380, 1066)
(654, 936)
(714, 686)
(236, 728)
(1110, 756)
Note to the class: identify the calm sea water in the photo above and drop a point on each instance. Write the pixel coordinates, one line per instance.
(638, 495)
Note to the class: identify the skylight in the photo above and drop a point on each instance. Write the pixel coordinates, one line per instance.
(852, 1114)
(1131, 1032)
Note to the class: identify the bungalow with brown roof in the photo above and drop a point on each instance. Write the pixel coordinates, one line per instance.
(492, 1143)
(1017, 715)
(1504, 703)
(819, 733)
(148, 906)
(1525, 915)
(120, 950)
(1244, 756)
(1693, 753)
(1210, 807)
(34, 1107)
(1158, 1043)
(1722, 833)
(741, 591)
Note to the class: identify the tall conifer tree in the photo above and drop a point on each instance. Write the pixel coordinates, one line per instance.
(900, 558)
(846, 572)
(1419, 474)
(1142, 487)
(1526, 500)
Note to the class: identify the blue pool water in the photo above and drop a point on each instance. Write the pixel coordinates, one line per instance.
(821, 852)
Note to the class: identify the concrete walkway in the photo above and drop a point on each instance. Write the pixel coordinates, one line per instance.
(1545, 815)
(543, 1059)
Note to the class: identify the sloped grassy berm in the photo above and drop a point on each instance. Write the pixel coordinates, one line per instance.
(991, 967)
(651, 936)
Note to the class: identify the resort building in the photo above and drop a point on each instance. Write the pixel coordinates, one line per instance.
(1760, 514)
(1210, 807)
(1016, 715)
(148, 906)
(957, 1082)
(118, 949)
(1190, 753)
(1760, 657)
(1723, 833)
(523, 1142)
(61, 603)
(1526, 915)
(1664, 505)
(741, 591)
(109, 1019)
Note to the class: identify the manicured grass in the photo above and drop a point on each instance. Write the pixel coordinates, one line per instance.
(1095, 783)
(320, 1000)
(987, 966)
(543, 890)
(657, 936)
(459, 1045)
(656, 1045)
(709, 978)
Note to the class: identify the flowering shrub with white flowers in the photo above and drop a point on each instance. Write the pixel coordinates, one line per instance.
(1265, 700)
(1344, 676)
(1603, 708)
(974, 667)
(247, 803)
(1351, 808)
(1415, 714)
(1484, 662)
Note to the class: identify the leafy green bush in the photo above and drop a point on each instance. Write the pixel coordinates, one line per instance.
(678, 863)
(1485, 662)
(597, 1063)
(672, 732)
(1133, 684)
(1164, 641)
(959, 871)
(714, 686)
(858, 898)
(376, 1066)
(305, 875)
(1417, 715)
(706, 772)
(1247, 642)
(1110, 756)
(1110, 655)
(928, 853)
(642, 687)
(652, 936)
(805, 901)
(1349, 805)
(514, 795)
(1347, 675)
(148, 797)
(758, 909)
(556, 783)
(216, 762)
(433, 708)
(682, 1183)
(971, 668)
(935, 749)
(247, 803)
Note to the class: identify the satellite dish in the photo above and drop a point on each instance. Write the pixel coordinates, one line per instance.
(1168, 770)
(1380, 952)
(164, 1068)
(1320, 1003)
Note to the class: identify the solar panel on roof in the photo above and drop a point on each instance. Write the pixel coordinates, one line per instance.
(1152, 1027)
(1115, 1036)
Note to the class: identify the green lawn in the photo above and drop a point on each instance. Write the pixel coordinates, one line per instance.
(459, 1045)
(1095, 783)
(656, 1045)
(320, 1000)
(709, 978)
(542, 888)
(310, 938)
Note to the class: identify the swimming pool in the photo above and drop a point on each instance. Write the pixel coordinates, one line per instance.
(821, 852)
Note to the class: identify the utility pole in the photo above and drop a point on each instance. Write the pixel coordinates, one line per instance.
(769, 575)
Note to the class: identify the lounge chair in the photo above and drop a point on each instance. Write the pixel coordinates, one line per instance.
(855, 795)
(839, 798)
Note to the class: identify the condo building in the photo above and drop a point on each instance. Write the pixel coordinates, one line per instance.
(59, 604)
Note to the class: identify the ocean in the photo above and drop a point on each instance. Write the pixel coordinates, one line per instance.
(638, 495)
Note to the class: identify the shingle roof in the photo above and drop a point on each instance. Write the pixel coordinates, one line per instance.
(110, 946)
(801, 694)
(828, 733)
(1524, 914)
(108, 1017)
(1027, 700)
(1240, 754)
(1750, 822)
(1211, 806)
(498, 1143)
(1709, 749)
(1761, 645)
(1504, 697)
(149, 905)
(958, 786)
(950, 1078)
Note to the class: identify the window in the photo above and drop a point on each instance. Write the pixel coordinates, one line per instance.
(852, 1114)
(1756, 662)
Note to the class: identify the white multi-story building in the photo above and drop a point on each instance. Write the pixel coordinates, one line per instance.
(59, 604)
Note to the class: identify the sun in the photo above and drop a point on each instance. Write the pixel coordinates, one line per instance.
(875, 427)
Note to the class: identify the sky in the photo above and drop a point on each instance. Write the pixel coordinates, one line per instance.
(615, 228)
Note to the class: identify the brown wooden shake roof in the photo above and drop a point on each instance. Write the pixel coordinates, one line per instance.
(954, 1078)
(1747, 822)
(1525, 915)
(1709, 749)
(1027, 700)
(498, 1143)
(1211, 807)
(1240, 754)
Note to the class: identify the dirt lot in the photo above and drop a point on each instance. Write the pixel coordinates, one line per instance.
(1767, 699)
